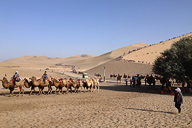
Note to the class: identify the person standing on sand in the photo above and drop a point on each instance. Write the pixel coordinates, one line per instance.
(178, 99)
(126, 81)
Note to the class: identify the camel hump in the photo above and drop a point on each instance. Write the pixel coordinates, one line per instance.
(64, 82)
(18, 83)
(46, 81)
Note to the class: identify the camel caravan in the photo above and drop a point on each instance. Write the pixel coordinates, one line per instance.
(72, 85)
(135, 81)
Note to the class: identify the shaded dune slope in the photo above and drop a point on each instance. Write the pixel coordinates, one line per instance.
(119, 67)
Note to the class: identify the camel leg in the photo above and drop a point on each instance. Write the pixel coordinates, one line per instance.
(40, 91)
(95, 87)
(50, 90)
(11, 93)
(43, 92)
(98, 88)
(92, 89)
(71, 90)
(19, 91)
(67, 91)
(23, 91)
(61, 91)
(56, 91)
(31, 92)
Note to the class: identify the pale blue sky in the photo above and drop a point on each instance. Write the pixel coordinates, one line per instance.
(63, 28)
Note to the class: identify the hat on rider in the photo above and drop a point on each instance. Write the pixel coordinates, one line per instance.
(16, 72)
(178, 89)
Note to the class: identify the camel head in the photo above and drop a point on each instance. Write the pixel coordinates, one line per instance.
(26, 80)
(32, 78)
(5, 79)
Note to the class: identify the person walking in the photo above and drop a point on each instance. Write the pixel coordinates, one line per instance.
(178, 99)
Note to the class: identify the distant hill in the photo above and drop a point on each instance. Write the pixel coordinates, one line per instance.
(45, 59)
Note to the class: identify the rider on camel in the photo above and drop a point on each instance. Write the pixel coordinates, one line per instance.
(16, 78)
(45, 76)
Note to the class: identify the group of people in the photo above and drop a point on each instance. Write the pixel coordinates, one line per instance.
(16, 77)
(135, 81)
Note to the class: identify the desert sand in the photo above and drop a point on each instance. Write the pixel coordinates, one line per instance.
(115, 105)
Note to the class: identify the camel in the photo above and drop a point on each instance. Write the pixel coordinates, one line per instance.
(56, 83)
(97, 74)
(69, 84)
(39, 83)
(80, 83)
(119, 78)
(75, 85)
(59, 84)
(96, 84)
(10, 85)
(50, 80)
(124, 76)
(150, 80)
(30, 84)
(88, 84)
(43, 85)
(113, 75)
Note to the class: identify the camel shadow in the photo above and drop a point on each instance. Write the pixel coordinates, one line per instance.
(145, 110)
(142, 89)
(6, 94)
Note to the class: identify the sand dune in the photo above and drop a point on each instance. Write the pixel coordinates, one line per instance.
(149, 54)
(104, 58)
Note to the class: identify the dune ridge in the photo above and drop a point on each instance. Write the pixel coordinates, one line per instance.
(148, 54)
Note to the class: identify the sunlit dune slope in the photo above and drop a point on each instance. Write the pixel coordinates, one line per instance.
(148, 54)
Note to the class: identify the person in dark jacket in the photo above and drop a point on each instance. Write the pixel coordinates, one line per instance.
(178, 99)
(45, 77)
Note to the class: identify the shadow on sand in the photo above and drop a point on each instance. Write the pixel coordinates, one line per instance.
(142, 89)
(151, 111)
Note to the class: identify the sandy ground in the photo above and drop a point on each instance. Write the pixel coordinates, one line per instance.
(113, 106)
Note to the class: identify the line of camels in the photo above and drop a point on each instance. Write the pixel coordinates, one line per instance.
(149, 79)
(88, 85)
